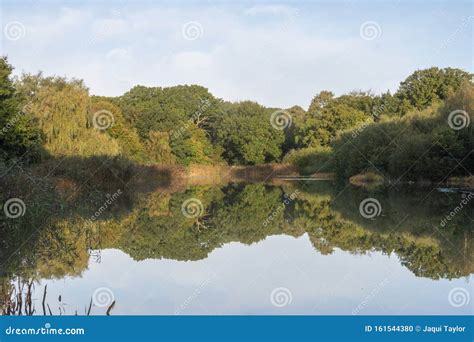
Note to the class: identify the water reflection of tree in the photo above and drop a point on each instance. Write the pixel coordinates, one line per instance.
(16, 299)
(56, 235)
(409, 226)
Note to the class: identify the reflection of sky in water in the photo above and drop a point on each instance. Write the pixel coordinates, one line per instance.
(239, 279)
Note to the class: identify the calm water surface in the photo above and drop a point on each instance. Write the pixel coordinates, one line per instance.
(299, 248)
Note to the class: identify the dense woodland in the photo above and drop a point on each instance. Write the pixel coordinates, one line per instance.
(64, 163)
(403, 136)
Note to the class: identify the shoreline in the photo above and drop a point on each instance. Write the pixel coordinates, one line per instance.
(371, 180)
(198, 174)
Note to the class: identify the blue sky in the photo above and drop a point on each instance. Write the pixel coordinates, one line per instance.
(277, 53)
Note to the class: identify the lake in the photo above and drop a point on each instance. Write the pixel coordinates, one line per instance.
(287, 247)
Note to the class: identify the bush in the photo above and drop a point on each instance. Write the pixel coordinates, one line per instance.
(311, 160)
(422, 145)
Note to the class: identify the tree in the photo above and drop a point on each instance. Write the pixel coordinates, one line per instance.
(422, 145)
(17, 131)
(158, 149)
(126, 136)
(328, 115)
(182, 113)
(246, 135)
(166, 109)
(63, 112)
(298, 117)
(193, 146)
(320, 101)
(425, 87)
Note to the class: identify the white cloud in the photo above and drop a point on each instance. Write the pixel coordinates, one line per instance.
(278, 55)
(271, 9)
(118, 54)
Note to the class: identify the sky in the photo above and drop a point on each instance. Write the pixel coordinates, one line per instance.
(238, 279)
(279, 54)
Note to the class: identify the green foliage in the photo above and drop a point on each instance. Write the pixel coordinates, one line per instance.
(402, 135)
(328, 115)
(311, 159)
(165, 109)
(419, 146)
(182, 112)
(126, 136)
(62, 111)
(152, 225)
(158, 149)
(17, 132)
(193, 146)
(364, 138)
(426, 87)
(298, 116)
(246, 135)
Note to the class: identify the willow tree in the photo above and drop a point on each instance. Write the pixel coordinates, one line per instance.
(62, 110)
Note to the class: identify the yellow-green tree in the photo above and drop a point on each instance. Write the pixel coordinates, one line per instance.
(62, 110)
(158, 149)
(126, 136)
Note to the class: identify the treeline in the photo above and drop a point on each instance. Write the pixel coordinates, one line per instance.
(422, 132)
(53, 116)
(45, 117)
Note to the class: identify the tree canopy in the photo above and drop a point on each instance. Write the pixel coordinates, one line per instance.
(402, 136)
(18, 133)
(245, 133)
